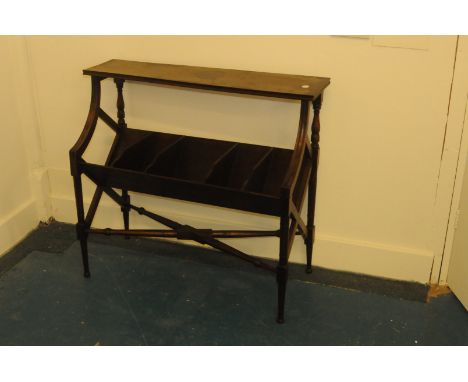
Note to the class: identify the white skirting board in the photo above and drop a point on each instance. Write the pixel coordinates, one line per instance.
(16, 225)
(330, 252)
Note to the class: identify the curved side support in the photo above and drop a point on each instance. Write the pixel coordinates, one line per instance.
(83, 141)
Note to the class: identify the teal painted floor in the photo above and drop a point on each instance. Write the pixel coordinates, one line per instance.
(166, 295)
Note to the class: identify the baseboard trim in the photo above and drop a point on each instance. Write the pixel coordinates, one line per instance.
(408, 290)
(16, 225)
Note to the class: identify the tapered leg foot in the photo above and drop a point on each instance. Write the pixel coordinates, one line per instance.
(309, 249)
(84, 257)
(281, 278)
(126, 211)
(309, 257)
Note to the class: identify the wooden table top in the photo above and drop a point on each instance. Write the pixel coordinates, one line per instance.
(225, 80)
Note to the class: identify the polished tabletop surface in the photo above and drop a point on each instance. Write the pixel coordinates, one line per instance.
(226, 80)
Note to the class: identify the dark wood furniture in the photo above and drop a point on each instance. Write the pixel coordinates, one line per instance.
(265, 180)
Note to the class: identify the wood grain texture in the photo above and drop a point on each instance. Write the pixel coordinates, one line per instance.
(228, 80)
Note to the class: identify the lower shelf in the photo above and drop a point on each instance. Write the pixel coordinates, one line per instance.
(234, 165)
(222, 173)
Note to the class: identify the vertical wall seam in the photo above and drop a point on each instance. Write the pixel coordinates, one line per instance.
(454, 184)
(440, 164)
(448, 112)
(440, 255)
(450, 95)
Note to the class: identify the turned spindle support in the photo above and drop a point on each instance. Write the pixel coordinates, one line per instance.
(122, 125)
(120, 104)
(315, 139)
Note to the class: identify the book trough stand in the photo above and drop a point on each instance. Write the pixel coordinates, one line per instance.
(265, 180)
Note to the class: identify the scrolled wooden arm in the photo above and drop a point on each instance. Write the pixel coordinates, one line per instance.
(85, 137)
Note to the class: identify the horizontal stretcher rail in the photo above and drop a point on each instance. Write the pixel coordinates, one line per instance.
(186, 231)
(227, 234)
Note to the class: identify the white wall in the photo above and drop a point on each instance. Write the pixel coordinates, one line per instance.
(18, 202)
(383, 124)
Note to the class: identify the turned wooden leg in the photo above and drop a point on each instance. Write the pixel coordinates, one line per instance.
(310, 220)
(311, 214)
(309, 248)
(80, 226)
(126, 211)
